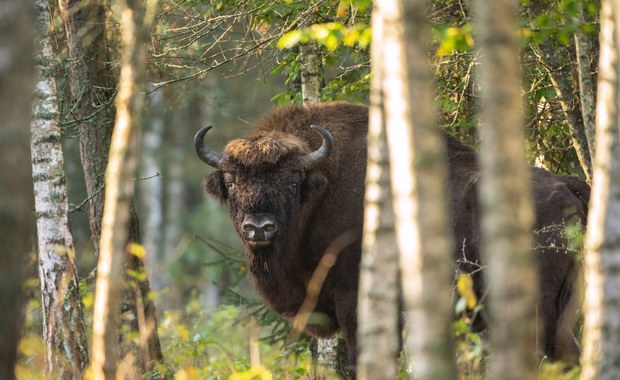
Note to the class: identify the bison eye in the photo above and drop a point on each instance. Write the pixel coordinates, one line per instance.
(230, 185)
(294, 187)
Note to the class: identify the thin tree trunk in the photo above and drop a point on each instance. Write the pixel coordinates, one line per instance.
(378, 306)
(418, 179)
(601, 354)
(152, 191)
(16, 200)
(91, 86)
(311, 72)
(119, 192)
(330, 352)
(507, 215)
(63, 320)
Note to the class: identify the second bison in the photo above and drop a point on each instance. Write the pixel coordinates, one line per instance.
(291, 190)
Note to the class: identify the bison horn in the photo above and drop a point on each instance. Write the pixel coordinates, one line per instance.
(208, 156)
(324, 151)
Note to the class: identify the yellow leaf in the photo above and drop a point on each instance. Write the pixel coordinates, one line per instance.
(465, 287)
(183, 332)
(257, 372)
(188, 373)
(290, 39)
(137, 250)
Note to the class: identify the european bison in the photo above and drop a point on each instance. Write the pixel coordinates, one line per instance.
(292, 189)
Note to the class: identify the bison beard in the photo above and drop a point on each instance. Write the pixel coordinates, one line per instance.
(291, 190)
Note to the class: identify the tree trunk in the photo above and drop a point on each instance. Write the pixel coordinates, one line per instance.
(330, 352)
(418, 180)
(152, 190)
(311, 72)
(507, 215)
(91, 86)
(378, 305)
(16, 217)
(601, 353)
(119, 192)
(63, 320)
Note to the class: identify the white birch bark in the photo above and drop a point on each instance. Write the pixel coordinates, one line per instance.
(507, 215)
(378, 307)
(311, 72)
(63, 321)
(601, 346)
(418, 180)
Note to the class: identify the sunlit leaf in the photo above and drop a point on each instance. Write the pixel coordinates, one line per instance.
(465, 288)
(137, 250)
(290, 39)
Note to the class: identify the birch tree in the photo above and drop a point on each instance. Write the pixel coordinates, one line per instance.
(378, 306)
(601, 347)
(63, 320)
(311, 72)
(418, 180)
(16, 218)
(119, 191)
(507, 216)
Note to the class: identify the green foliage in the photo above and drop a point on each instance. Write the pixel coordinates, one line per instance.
(331, 35)
(214, 344)
(452, 39)
(561, 21)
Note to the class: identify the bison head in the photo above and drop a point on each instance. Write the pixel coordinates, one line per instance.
(269, 181)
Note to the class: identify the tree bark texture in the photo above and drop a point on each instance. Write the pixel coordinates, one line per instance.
(418, 180)
(119, 192)
(63, 321)
(311, 72)
(92, 88)
(601, 338)
(378, 304)
(16, 200)
(507, 215)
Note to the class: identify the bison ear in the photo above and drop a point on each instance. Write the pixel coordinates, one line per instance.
(314, 186)
(214, 185)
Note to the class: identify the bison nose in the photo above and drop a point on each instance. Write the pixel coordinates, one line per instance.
(259, 227)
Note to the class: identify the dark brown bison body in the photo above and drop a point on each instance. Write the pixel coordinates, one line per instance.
(291, 190)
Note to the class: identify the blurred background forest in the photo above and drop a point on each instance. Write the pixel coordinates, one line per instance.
(225, 63)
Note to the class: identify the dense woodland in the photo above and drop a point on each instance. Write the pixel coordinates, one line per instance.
(120, 266)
